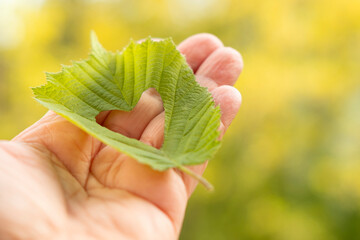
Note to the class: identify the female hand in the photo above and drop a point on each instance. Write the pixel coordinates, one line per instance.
(56, 181)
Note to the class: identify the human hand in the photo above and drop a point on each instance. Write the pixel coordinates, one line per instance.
(56, 181)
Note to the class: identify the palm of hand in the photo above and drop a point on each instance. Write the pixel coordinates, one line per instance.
(56, 180)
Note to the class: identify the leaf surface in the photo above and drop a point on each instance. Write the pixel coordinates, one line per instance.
(116, 81)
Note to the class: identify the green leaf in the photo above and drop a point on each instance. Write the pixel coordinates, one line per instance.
(116, 81)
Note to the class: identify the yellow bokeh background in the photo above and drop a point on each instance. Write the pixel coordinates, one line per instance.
(289, 167)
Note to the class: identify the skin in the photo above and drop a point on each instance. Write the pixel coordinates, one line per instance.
(57, 182)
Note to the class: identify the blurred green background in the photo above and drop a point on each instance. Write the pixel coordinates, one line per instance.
(289, 167)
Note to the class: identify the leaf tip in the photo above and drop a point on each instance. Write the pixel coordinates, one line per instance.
(96, 46)
(93, 37)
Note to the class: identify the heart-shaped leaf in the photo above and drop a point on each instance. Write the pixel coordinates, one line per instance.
(116, 81)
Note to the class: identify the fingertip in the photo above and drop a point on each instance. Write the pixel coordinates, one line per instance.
(223, 66)
(198, 47)
(229, 99)
(207, 39)
(235, 58)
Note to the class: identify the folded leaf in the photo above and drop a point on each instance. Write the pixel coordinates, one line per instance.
(116, 81)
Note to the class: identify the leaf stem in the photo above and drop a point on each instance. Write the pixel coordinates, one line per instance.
(198, 177)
